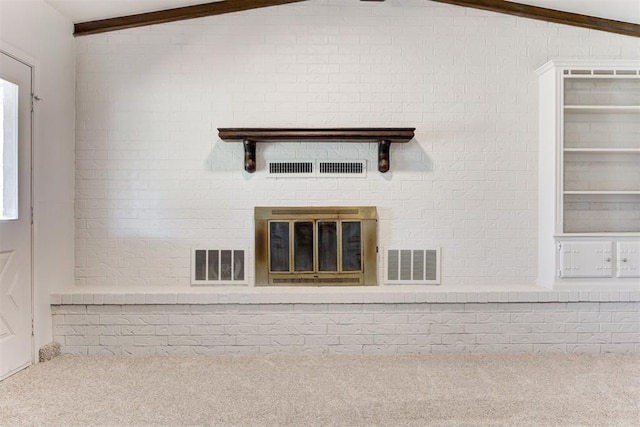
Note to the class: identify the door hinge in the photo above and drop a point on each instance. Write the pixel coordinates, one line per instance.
(31, 215)
(33, 327)
(34, 98)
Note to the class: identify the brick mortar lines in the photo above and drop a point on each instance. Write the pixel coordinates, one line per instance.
(152, 180)
(352, 328)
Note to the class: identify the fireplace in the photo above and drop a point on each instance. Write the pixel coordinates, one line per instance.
(316, 246)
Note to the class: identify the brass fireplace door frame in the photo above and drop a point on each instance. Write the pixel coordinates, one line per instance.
(366, 215)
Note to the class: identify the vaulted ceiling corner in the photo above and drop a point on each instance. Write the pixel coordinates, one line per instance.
(550, 15)
(171, 15)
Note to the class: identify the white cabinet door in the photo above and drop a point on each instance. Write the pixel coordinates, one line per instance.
(586, 259)
(628, 259)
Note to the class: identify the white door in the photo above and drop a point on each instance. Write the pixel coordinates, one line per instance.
(16, 344)
(586, 259)
(628, 259)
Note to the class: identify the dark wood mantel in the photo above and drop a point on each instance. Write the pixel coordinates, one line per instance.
(382, 136)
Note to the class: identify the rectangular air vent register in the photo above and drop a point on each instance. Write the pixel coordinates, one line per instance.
(316, 168)
(218, 266)
(412, 266)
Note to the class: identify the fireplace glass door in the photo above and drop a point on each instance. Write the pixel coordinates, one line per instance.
(315, 246)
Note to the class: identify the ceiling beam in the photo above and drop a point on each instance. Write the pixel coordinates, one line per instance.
(170, 15)
(228, 6)
(550, 15)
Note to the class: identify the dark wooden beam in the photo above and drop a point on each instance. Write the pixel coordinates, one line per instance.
(550, 15)
(170, 15)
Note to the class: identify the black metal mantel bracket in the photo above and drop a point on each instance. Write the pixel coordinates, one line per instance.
(384, 137)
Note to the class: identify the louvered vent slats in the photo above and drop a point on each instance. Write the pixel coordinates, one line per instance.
(328, 168)
(218, 267)
(412, 266)
(317, 168)
(293, 168)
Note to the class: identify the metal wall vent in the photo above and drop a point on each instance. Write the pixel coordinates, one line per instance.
(412, 266)
(342, 168)
(317, 168)
(290, 169)
(218, 267)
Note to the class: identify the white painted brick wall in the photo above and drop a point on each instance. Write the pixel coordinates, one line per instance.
(153, 179)
(348, 328)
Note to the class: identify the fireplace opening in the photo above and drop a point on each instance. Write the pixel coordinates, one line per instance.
(315, 246)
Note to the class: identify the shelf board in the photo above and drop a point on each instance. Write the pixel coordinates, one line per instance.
(382, 136)
(633, 109)
(317, 134)
(603, 193)
(603, 150)
(599, 234)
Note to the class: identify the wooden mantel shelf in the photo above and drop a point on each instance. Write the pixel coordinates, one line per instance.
(250, 136)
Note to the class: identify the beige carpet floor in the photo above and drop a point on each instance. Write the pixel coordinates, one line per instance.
(267, 390)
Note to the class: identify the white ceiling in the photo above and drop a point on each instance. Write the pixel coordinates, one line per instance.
(89, 10)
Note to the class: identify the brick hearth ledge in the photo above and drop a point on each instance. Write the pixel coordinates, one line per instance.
(332, 295)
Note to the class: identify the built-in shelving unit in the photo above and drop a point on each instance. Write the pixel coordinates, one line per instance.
(384, 137)
(589, 183)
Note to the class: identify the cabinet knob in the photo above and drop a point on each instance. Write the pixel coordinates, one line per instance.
(607, 259)
(624, 260)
